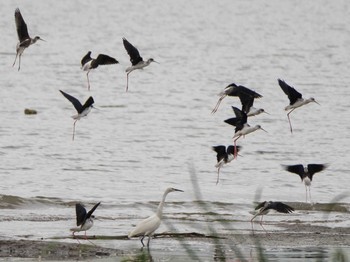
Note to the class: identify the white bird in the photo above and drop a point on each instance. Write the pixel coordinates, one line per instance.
(135, 59)
(266, 206)
(224, 155)
(84, 220)
(295, 98)
(148, 226)
(24, 39)
(88, 63)
(306, 173)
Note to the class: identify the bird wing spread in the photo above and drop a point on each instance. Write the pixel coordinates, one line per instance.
(77, 105)
(21, 26)
(280, 207)
(92, 210)
(221, 152)
(104, 60)
(86, 58)
(296, 169)
(134, 54)
(89, 102)
(293, 95)
(81, 214)
(314, 168)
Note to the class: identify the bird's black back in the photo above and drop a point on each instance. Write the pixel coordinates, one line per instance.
(278, 206)
(293, 95)
(86, 58)
(134, 54)
(247, 102)
(21, 26)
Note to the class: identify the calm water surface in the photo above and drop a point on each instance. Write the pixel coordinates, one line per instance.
(137, 144)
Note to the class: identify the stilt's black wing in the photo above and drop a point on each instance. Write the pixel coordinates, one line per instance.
(220, 152)
(21, 26)
(292, 94)
(296, 169)
(77, 105)
(92, 210)
(280, 207)
(86, 58)
(81, 214)
(314, 168)
(134, 54)
(103, 60)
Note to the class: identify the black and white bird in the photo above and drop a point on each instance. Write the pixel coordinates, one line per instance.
(242, 127)
(88, 63)
(306, 173)
(245, 94)
(265, 207)
(135, 59)
(84, 219)
(224, 155)
(295, 98)
(83, 110)
(148, 226)
(23, 37)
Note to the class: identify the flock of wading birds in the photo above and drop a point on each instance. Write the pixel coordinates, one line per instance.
(224, 155)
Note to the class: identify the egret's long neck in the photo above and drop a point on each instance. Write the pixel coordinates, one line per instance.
(161, 204)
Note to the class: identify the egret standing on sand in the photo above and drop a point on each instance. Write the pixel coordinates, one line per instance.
(295, 99)
(88, 63)
(242, 127)
(24, 39)
(224, 155)
(148, 226)
(84, 220)
(83, 110)
(306, 173)
(266, 206)
(240, 91)
(135, 59)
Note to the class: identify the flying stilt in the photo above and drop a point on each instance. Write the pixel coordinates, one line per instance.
(224, 155)
(241, 92)
(306, 173)
(88, 63)
(295, 99)
(242, 127)
(135, 59)
(148, 226)
(247, 105)
(83, 110)
(264, 208)
(24, 39)
(84, 220)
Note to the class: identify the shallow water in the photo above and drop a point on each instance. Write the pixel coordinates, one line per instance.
(137, 144)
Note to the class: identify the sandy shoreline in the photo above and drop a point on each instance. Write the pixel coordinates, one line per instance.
(293, 236)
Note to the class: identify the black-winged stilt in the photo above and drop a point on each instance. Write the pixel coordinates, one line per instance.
(24, 39)
(135, 59)
(224, 155)
(88, 63)
(83, 110)
(148, 226)
(306, 173)
(240, 91)
(266, 206)
(84, 219)
(242, 127)
(295, 99)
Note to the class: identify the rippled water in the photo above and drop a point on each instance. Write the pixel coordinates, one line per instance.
(138, 143)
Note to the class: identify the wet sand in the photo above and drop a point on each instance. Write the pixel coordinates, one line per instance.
(293, 235)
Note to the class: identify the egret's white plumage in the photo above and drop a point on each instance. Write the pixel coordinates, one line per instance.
(148, 226)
